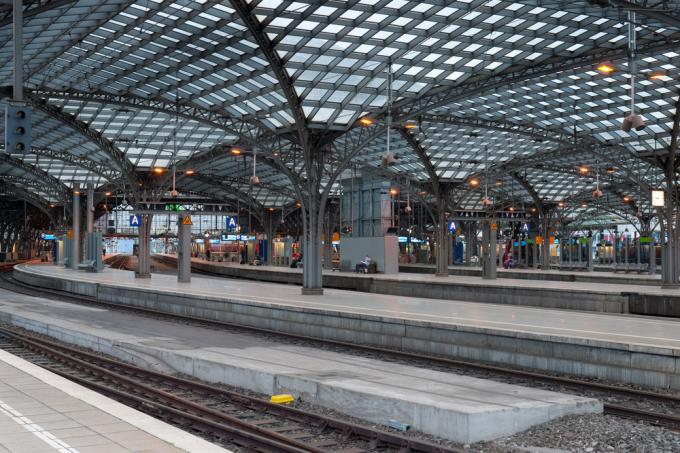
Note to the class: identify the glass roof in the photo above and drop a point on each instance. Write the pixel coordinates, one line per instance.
(484, 85)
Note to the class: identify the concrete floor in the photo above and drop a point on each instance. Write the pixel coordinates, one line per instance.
(626, 329)
(460, 408)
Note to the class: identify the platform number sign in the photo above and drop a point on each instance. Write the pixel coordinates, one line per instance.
(135, 220)
(17, 129)
(232, 223)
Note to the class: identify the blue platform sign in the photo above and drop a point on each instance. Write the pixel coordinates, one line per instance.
(135, 220)
(232, 223)
(452, 226)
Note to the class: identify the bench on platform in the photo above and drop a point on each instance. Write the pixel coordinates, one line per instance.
(630, 267)
(572, 265)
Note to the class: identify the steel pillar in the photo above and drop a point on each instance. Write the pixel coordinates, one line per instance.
(143, 251)
(183, 250)
(312, 273)
(488, 252)
(442, 240)
(75, 241)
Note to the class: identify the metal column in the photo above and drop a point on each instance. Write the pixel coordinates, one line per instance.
(442, 240)
(183, 249)
(488, 254)
(534, 254)
(143, 251)
(75, 241)
(589, 255)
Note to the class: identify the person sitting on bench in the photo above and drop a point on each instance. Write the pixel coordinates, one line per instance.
(362, 266)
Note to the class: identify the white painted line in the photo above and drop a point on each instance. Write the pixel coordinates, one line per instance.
(168, 433)
(42, 434)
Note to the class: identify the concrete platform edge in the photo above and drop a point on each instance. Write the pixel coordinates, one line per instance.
(168, 433)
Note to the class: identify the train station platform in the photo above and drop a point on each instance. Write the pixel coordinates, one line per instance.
(613, 293)
(457, 407)
(41, 412)
(624, 348)
(600, 275)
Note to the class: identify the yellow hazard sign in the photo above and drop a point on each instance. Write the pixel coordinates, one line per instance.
(494, 226)
(187, 220)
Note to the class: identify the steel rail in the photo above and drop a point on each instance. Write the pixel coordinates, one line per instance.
(98, 364)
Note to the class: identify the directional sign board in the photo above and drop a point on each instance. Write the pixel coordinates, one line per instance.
(503, 215)
(232, 222)
(135, 220)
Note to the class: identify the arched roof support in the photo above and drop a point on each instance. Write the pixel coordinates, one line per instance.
(245, 12)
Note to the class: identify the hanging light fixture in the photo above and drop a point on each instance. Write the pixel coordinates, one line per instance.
(388, 158)
(486, 201)
(633, 120)
(254, 179)
(174, 193)
(408, 209)
(597, 193)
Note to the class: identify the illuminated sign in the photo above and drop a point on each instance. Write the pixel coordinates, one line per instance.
(47, 237)
(135, 220)
(232, 222)
(174, 207)
(657, 198)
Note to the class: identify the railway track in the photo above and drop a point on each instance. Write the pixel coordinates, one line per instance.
(667, 420)
(220, 414)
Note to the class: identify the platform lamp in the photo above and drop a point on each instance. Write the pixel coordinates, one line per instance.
(254, 179)
(632, 120)
(388, 158)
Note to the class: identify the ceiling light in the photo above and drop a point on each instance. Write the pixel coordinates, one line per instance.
(606, 68)
(189, 172)
(560, 204)
(584, 205)
(410, 126)
(499, 182)
(394, 191)
(108, 194)
(626, 198)
(474, 182)
(365, 121)
(236, 151)
(583, 169)
(158, 170)
(659, 75)
(511, 208)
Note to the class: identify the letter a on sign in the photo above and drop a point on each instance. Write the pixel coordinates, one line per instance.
(187, 220)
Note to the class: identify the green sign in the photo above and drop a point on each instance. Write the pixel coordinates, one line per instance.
(646, 240)
(173, 207)
(530, 241)
(583, 241)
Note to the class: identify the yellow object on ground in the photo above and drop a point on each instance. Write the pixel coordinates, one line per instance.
(282, 399)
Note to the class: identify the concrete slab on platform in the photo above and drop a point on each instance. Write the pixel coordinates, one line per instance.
(460, 408)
